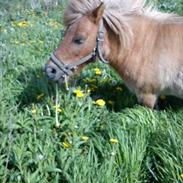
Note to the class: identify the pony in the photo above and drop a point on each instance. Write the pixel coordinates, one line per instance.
(143, 45)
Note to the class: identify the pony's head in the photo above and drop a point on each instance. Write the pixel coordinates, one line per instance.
(79, 45)
(92, 29)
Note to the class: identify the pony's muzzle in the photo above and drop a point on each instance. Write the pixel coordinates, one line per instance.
(53, 72)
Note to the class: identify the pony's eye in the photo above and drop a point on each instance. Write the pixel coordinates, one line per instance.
(78, 40)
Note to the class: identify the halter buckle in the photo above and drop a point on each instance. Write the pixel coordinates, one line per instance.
(100, 36)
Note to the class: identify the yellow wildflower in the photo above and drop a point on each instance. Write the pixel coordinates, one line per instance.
(114, 141)
(53, 23)
(67, 145)
(57, 108)
(88, 91)
(33, 111)
(23, 24)
(163, 97)
(119, 89)
(100, 102)
(97, 71)
(78, 93)
(39, 97)
(85, 138)
(181, 176)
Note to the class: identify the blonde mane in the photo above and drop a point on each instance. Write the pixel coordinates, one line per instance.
(116, 14)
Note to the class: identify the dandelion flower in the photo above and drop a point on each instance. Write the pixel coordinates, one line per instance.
(114, 141)
(85, 138)
(23, 24)
(57, 108)
(181, 176)
(53, 24)
(33, 111)
(88, 91)
(39, 97)
(67, 145)
(78, 93)
(119, 89)
(97, 71)
(100, 102)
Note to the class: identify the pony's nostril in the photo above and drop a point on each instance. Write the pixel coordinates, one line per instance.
(53, 71)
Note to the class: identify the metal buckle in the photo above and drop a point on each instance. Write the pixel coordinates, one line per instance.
(100, 36)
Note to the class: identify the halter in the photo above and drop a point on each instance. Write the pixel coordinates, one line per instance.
(68, 69)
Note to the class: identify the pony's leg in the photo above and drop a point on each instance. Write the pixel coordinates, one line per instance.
(147, 99)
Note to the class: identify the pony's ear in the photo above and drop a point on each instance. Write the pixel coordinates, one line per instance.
(98, 13)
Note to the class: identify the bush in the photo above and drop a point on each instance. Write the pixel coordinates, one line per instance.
(170, 6)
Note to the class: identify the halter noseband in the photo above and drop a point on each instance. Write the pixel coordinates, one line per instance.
(70, 68)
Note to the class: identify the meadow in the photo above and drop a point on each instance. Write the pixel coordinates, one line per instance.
(94, 133)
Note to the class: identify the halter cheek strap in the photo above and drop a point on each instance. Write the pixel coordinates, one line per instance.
(100, 40)
(70, 68)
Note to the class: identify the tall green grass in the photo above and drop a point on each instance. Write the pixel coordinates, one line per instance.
(39, 143)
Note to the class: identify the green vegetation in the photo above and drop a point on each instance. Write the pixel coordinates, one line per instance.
(48, 134)
(170, 6)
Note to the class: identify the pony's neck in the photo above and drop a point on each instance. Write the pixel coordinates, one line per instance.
(113, 48)
(119, 52)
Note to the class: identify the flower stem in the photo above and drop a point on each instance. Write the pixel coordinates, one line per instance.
(57, 124)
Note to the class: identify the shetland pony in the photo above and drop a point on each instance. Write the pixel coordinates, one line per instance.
(143, 45)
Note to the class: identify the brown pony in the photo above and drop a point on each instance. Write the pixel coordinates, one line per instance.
(143, 45)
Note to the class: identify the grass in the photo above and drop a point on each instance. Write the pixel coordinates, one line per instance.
(48, 134)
